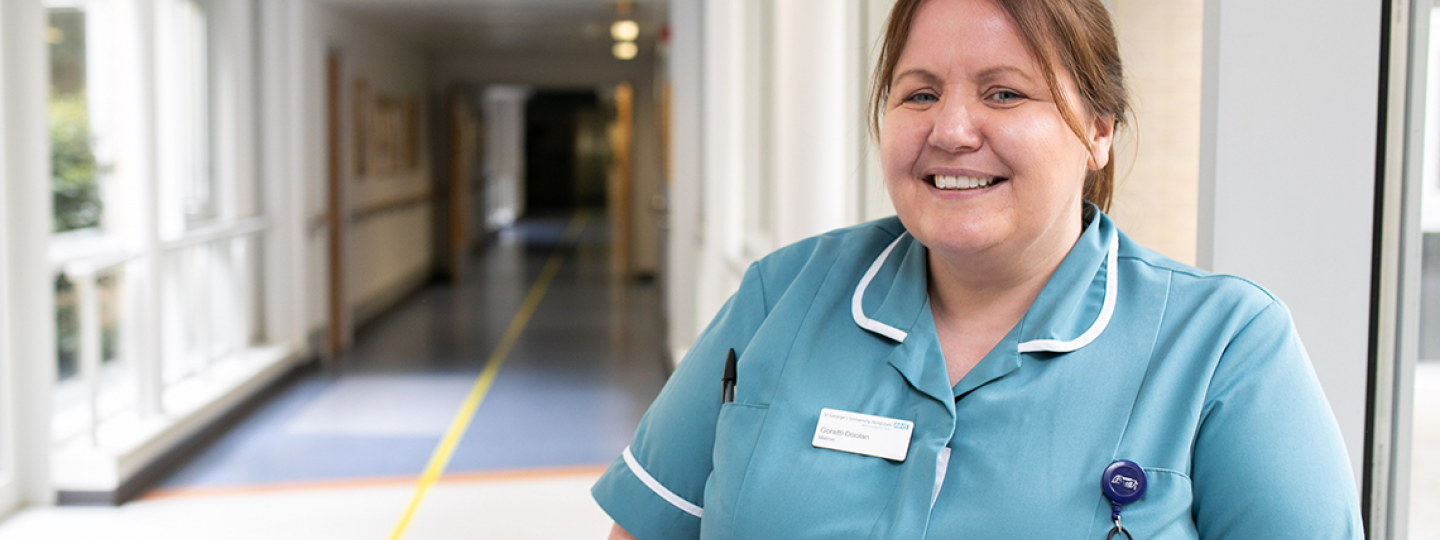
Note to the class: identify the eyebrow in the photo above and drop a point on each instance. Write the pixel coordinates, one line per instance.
(995, 72)
(986, 74)
(922, 73)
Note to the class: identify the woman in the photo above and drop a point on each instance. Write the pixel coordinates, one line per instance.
(999, 361)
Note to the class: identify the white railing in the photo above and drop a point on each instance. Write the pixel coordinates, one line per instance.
(205, 311)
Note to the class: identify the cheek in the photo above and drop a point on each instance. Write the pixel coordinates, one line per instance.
(1045, 146)
(901, 140)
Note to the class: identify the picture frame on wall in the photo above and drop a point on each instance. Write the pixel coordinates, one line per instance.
(385, 131)
(387, 135)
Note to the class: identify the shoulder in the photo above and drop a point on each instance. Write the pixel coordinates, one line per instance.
(1190, 288)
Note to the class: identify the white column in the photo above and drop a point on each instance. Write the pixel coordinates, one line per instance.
(138, 141)
(874, 200)
(30, 293)
(724, 83)
(1287, 173)
(819, 127)
(686, 140)
(9, 406)
(724, 76)
(283, 180)
(769, 127)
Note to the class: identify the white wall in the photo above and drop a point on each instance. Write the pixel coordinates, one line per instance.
(386, 253)
(1287, 173)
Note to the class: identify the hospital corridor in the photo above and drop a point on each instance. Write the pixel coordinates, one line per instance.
(335, 451)
(385, 269)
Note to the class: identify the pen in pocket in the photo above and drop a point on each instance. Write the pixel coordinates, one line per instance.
(727, 381)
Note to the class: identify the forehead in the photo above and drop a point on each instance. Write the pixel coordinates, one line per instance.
(966, 35)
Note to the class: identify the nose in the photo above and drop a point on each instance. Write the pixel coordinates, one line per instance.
(955, 128)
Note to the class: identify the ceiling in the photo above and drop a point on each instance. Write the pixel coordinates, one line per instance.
(505, 26)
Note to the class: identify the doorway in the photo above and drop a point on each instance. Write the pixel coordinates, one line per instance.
(565, 168)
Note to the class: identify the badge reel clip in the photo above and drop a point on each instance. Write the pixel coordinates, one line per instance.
(1123, 483)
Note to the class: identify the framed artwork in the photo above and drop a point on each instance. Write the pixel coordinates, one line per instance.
(385, 131)
(387, 128)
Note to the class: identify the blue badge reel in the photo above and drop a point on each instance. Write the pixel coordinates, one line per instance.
(1123, 483)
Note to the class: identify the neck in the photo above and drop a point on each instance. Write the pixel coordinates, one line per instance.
(992, 289)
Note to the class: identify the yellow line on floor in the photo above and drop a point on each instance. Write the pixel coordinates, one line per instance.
(461, 422)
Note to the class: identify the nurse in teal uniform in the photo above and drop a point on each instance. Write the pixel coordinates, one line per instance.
(981, 364)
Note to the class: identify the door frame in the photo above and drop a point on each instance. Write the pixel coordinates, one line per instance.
(335, 209)
(1396, 305)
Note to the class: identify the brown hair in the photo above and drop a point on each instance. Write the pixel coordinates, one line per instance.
(1074, 35)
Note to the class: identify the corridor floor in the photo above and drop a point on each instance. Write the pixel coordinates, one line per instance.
(343, 452)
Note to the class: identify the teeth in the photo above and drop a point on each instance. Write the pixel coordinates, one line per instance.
(961, 182)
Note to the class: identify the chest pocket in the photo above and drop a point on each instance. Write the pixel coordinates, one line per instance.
(1162, 514)
(769, 482)
(736, 431)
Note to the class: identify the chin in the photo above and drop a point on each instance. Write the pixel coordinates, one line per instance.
(957, 236)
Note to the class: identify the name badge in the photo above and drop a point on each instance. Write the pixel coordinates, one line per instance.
(863, 434)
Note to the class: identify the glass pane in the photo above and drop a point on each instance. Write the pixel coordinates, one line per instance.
(111, 288)
(117, 378)
(67, 329)
(1425, 449)
(193, 66)
(175, 318)
(73, 182)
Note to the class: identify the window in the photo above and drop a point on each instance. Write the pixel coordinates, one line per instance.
(83, 226)
(1425, 438)
(155, 252)
(74, 179)
(194, 257)
(183, 68)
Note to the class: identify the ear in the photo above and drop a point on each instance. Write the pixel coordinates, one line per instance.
(1102, 136)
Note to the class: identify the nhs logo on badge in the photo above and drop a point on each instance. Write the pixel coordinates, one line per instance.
(902, 425)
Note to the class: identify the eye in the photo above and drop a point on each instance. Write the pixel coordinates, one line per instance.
(1006, 96)
(922, 98)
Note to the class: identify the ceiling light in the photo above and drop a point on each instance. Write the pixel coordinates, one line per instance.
(624, 50)
(624, 30)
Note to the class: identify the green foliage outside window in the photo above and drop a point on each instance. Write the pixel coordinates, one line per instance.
(67, 328)
(72, 164)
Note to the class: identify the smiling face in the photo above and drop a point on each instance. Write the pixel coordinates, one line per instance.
(977, 157)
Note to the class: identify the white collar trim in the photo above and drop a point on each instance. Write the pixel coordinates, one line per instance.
(858, 311)
(1107, 309)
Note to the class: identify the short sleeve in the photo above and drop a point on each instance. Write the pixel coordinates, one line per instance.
(655, 489)
(1269, 461)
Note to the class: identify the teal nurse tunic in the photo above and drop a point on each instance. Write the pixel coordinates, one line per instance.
(1125, 354)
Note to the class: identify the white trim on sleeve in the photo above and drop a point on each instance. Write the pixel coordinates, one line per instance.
(858, 311)
(655, 486)
(1106, 310)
